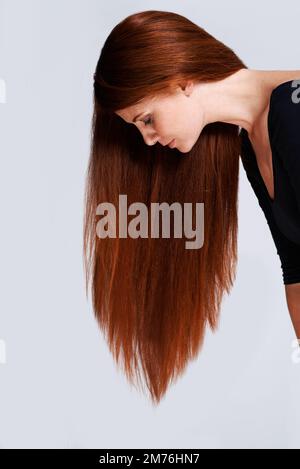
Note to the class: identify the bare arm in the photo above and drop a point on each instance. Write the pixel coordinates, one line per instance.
(292, 293)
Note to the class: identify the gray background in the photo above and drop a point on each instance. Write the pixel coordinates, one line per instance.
(59, 386)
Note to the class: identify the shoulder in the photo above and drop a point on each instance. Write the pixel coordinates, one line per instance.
(284, 115)
(284, 129)
(287, 92)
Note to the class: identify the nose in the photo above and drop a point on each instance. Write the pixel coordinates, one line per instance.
(149, 140)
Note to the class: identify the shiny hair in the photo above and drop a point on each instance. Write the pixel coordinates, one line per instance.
(152, 298)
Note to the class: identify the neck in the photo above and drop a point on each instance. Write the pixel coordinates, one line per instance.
(242, 98)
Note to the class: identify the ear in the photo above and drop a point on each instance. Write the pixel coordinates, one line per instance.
(187, 87)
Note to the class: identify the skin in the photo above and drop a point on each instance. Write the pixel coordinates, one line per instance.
(241, 99)
(292, 293)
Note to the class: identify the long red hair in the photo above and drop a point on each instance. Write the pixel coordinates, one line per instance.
(153, 298)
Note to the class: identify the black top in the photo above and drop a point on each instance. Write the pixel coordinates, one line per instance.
(282, 213)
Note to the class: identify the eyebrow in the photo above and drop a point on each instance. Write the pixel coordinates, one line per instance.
(136, 117)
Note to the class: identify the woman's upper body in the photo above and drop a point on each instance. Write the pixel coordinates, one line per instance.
(282, 211)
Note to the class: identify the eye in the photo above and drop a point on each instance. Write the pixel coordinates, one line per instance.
(148, 121)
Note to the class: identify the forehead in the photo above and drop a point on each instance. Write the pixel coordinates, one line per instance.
(145, 105)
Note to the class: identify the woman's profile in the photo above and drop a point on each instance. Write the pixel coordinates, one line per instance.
(174, 110)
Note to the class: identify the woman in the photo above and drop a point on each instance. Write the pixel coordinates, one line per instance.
(163, 81)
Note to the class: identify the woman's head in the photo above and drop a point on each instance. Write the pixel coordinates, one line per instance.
(151, 296)
(155, 54)
(177, 115)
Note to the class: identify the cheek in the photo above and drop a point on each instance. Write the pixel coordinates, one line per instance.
(163, 127)
(176, 126)
(186, 136)
(182, 131)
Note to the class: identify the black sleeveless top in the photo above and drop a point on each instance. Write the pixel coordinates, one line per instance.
(283, 212)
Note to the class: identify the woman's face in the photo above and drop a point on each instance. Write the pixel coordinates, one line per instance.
(161, 119)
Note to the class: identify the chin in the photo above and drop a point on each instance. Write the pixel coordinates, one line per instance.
(185, 148)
